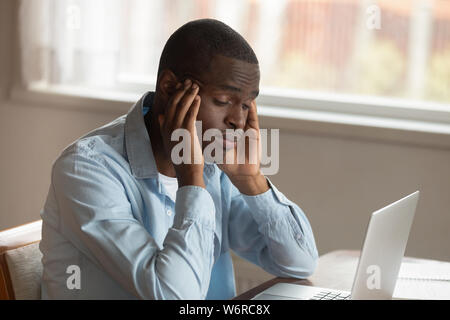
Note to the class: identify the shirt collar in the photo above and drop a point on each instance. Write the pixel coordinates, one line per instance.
(138, 145)
(137, 142)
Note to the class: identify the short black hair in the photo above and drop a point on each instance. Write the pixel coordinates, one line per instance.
(191, 47)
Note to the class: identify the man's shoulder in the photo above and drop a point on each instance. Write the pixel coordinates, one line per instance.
(105, 142)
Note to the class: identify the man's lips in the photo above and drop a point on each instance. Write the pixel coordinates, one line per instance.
(229, 141)
(228, 144)
(225, 143)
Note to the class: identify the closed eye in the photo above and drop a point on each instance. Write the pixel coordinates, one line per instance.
(224, 103)
(220, 103)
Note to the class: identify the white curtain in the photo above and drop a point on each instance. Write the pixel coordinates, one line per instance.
(106, 43)
(68, 42)
(322, 46)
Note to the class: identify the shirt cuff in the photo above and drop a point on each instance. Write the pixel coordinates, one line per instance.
(194, 203)
(263, 206)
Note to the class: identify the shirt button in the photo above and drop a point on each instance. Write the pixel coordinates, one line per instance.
(169, 212)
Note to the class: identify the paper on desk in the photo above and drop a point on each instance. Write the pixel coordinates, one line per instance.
(423, 281)
(439, 271)
(422, 290)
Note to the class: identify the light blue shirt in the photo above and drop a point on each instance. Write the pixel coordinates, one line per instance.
(110, 231)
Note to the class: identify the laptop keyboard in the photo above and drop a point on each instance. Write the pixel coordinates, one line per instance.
(331, 295)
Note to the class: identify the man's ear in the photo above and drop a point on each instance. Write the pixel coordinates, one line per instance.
(166, 83)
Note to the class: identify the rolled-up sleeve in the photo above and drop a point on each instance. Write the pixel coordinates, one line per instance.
(272, 232)
(96, 216)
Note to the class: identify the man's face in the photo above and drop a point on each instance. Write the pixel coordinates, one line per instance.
(226, 90)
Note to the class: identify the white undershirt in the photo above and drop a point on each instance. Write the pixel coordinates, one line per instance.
(170, 184)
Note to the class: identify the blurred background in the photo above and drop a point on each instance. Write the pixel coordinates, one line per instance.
(313, 45)
(360, 91)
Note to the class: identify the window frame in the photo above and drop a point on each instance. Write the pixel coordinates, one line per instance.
(310, 113)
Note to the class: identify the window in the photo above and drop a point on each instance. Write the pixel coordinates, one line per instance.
(307, 48)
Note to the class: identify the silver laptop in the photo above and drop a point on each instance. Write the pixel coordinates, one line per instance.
(379, 263)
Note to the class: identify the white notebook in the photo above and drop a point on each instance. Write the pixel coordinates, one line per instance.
(418, 271)
(423, 281)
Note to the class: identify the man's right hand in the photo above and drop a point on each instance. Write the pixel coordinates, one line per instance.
(181, 112)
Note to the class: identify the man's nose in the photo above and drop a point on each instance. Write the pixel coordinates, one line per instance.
(236, 117)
